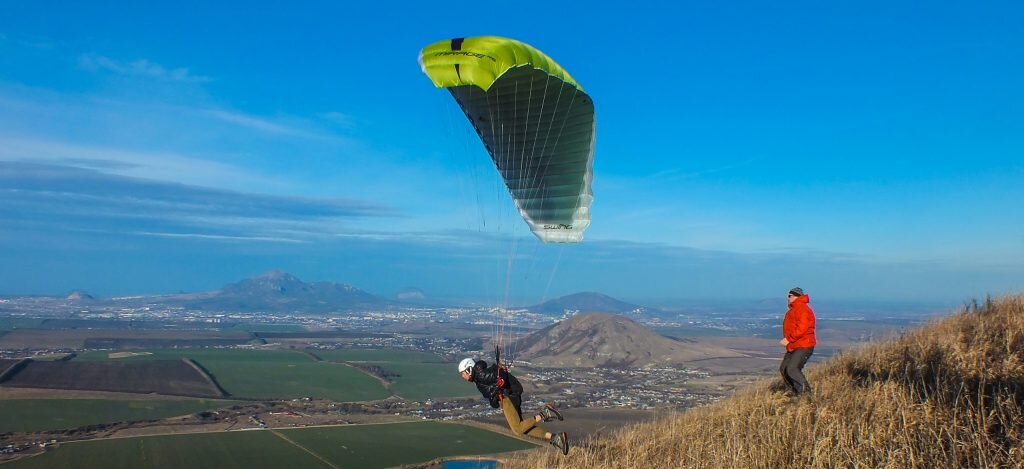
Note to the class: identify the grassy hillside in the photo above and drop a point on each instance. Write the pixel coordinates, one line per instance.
(949, 394)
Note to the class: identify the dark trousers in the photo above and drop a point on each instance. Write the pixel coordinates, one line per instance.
(792, 369)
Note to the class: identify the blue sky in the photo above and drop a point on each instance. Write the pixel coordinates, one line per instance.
(855, 149)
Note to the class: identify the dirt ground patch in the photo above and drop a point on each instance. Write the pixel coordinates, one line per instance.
(156, 376)
(127, 354)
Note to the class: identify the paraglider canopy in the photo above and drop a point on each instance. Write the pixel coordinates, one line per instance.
(535, 121)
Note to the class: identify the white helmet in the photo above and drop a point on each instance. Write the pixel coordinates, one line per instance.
(466, 364)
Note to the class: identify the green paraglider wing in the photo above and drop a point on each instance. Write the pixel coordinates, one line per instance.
(536, 122)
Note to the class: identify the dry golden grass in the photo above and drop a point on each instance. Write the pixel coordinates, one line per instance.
(949, 394)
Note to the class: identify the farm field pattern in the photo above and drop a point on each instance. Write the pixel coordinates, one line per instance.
(271, 374)
(211, 450)
(168, 377)
(364, 446)
(244, 374)
(420, 375)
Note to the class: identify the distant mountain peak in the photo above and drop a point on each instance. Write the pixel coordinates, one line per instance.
(277, 274)
(280, 291)
(275, 280)
(585, 302)
(79, 295)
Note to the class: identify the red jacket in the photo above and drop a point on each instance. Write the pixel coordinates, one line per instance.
(798, 326)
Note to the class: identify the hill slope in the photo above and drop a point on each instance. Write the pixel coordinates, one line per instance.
(949, 394)
(595, 339)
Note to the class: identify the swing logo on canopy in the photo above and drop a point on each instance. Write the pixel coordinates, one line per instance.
(464, 52)
(560, 226)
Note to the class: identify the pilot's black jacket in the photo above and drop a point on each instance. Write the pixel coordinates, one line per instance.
(486, 379)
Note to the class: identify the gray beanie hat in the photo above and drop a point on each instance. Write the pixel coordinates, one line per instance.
(796, 291)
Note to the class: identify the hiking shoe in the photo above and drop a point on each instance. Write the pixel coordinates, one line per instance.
(560, 441)
(548, 413)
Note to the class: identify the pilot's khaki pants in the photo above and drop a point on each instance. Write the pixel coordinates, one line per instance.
(520, 426)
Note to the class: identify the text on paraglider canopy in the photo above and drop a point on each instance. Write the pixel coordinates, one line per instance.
(471, 54)
(560, 226)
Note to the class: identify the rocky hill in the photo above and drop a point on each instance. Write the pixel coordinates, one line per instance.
(597, 339)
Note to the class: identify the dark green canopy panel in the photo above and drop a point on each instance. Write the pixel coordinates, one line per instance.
(536, 122)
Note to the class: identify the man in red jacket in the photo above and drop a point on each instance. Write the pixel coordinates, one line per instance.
(798, 338)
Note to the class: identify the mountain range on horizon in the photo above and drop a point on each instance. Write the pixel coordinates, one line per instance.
(279, 291)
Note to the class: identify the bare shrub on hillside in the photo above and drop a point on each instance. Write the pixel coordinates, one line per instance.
(949, 394)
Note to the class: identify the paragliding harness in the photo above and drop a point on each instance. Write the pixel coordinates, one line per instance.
(501, 369)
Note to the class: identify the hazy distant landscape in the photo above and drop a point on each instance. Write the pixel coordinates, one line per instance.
(81, 368)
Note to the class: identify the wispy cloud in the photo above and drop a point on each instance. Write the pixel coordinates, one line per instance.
(60, 211)
(150, 123)
(138, 68)
(28, 42)
(60, 198)
(469, 261)
(338, 118)
(455, 237)
(280, 126)
(202, 236)
(678, 174)
(251, 122)
(201, 146)
(143, 164)
(283, 126)
(97, 163)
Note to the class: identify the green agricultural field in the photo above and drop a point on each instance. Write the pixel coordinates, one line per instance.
(30, 415)
(370, 446)
(422, 375)
(242, 450)
(420, 381)
(363, 446)
(272, 374)
(377, 355)
(7, 324)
